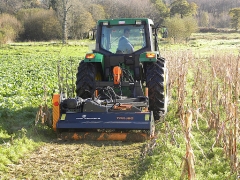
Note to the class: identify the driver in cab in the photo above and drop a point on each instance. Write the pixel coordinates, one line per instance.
(124, 46)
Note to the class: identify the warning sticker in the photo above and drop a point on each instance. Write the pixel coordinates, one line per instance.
(63, 117)
(147, 117)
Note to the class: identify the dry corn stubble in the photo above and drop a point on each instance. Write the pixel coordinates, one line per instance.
(214, 98)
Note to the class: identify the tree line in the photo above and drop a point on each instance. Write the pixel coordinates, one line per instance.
(43, 20)
(215, 13)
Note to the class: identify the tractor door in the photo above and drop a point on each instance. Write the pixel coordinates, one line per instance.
(106, 38)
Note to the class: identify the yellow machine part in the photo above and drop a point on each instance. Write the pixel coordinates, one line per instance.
(56, 110)
(104, 136)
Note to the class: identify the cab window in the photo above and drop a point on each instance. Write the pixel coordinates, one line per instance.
(123, 39)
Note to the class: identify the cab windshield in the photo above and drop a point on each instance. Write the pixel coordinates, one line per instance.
(124, 39)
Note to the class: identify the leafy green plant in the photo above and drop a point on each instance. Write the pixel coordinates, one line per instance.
(27, 72)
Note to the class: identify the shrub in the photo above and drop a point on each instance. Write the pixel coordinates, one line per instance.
(10, 28)
(216, 30)
(180, 29)
(40, 24)
(82, 23)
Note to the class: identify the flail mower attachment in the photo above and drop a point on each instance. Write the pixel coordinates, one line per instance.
(95, 119)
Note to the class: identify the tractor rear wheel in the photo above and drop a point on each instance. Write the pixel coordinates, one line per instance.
(161, 61)
(155, 81)
(85, 83)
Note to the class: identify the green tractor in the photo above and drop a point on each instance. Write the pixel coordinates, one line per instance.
(120, 86)
(140, 63)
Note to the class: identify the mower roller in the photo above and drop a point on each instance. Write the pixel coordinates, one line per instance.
(121, 90)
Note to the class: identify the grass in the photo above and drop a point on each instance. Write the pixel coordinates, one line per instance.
(73, 49)
(205, 44)
(32, 152)
(26, 70)
(75, 160)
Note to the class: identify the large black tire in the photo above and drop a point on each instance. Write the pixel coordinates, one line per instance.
(163, 64)
(85, 83)
(155, 81)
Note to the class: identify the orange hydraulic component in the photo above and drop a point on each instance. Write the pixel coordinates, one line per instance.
(96, 93)
(146, 94)
(117, 72)
(122, 107)
(104, 136)
(56, 110)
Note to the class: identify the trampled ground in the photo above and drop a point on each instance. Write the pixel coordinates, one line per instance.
(79, 160)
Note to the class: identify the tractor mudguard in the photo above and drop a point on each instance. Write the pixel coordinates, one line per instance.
(148, 57)
(95, 58)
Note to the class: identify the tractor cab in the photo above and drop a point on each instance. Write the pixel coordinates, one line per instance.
(125, 36)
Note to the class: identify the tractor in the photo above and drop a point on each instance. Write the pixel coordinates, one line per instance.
(121, 86)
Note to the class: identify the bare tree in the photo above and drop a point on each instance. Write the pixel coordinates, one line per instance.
(81, 19)
(62, 8)
(128, 9)
(10, 6)
(65, 9)
(97, 11)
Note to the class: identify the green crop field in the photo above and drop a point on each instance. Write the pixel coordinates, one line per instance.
(27, 71)
(204, 82)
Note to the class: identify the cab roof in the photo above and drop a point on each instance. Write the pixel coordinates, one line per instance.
(125, 21)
